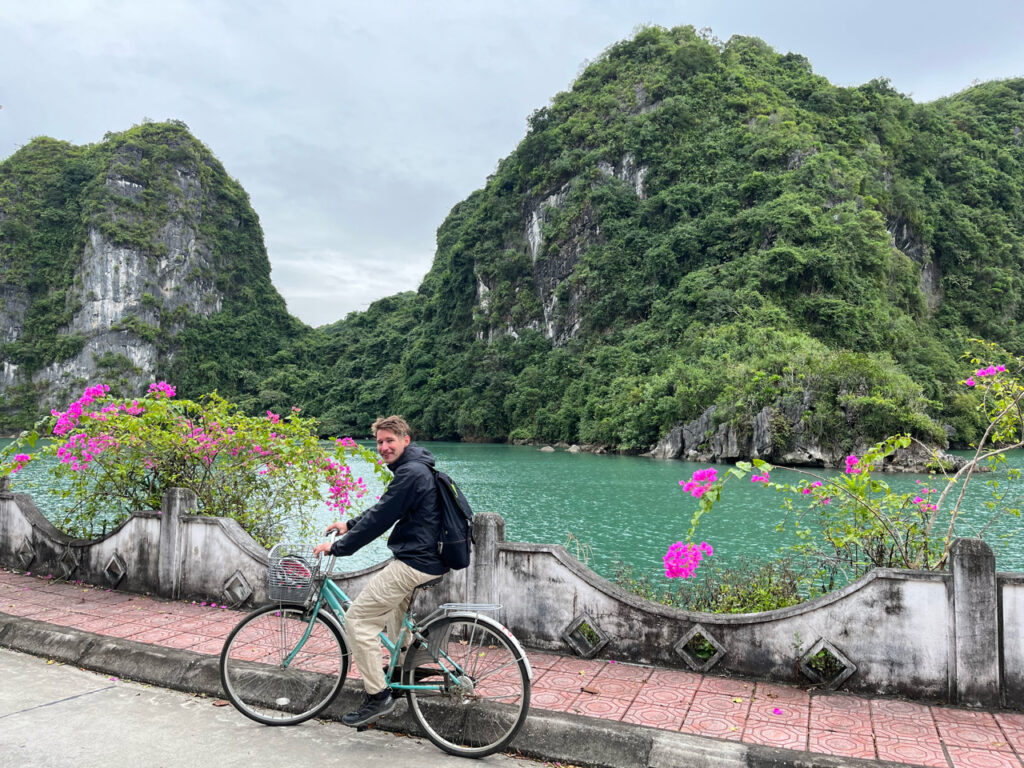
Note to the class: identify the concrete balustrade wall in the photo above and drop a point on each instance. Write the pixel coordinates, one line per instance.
(171, 553)
(1011, 637)
(955, 636)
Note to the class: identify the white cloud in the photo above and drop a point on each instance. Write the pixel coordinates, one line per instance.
(323, 286)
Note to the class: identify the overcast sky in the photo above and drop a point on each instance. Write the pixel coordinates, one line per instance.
(355, 127)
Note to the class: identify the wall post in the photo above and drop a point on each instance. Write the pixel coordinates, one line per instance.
(488, 533)
(175, 504)
(976, 623)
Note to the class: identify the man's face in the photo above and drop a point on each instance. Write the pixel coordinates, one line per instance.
(390, 446)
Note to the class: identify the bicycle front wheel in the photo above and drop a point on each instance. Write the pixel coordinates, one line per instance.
(481, 713)
(273, 677)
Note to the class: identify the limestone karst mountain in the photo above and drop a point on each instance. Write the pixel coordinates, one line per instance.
(132, 259)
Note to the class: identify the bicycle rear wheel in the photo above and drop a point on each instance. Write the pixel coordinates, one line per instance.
(483, 715)
(264, 684)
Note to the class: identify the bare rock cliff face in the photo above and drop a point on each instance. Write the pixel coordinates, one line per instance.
(14, 302)
(554, 260)
(909, 242)
(777, 440)
(781, 437)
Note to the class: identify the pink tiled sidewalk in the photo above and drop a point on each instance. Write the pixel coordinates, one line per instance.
(705, 705)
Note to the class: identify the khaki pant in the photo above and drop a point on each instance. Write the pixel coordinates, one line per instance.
(381, 605)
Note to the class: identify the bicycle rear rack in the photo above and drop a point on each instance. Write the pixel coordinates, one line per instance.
(447, 609)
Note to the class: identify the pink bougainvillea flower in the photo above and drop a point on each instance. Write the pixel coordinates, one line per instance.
(682, 560)
(161, 388)
(709, 475)
(20, 460)
(701, 481)
(67, 420)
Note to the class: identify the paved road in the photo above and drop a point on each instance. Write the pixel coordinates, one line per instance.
(56, 716)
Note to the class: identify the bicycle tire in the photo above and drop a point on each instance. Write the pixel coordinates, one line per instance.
(476, 721)
(253, 674)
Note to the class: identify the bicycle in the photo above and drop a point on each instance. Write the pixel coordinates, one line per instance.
(466, 677)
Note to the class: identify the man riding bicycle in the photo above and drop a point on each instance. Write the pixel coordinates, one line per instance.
(410, 505)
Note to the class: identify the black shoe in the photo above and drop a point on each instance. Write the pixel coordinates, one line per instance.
(373, 706)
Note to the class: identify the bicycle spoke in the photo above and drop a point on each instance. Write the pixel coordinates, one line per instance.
(267, 686)
(500, 696)
(484, 709)
(507, 665)
(469, 651)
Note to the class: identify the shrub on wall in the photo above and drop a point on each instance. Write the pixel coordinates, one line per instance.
(113, 456)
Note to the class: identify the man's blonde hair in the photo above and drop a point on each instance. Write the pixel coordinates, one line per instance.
(394, 424)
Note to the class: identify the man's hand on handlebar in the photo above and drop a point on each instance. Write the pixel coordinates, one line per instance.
(322, 549)
(340, 528)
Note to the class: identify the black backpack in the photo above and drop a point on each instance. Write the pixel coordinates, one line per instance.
(456, 536)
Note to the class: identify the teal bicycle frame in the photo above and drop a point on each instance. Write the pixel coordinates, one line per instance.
(337, 601)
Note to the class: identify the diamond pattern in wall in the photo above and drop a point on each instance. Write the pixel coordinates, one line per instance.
(115, 570)
(826, 665)
(699, 649)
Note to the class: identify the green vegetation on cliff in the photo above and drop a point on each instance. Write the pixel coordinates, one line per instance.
(41, 236)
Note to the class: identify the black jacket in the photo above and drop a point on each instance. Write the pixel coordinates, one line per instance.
(410, 504)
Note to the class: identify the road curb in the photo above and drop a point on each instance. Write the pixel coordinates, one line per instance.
(549, 736)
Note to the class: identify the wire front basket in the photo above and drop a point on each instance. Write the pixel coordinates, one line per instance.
(292, 573)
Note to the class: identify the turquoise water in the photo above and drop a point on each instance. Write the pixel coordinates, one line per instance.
(630, 509)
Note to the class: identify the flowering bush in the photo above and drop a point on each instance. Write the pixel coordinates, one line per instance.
(848, 524)
(114, 456)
